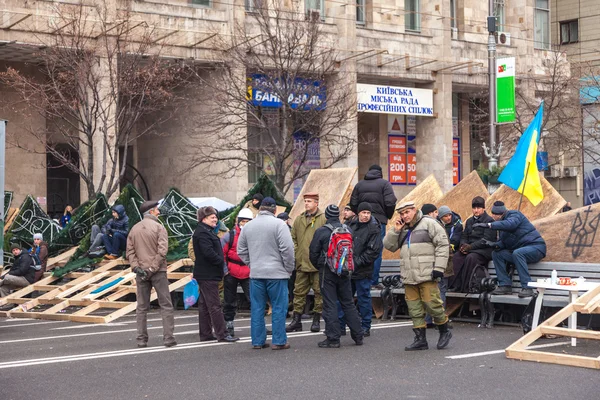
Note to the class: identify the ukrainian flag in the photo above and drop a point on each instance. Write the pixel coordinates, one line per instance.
(521, 172)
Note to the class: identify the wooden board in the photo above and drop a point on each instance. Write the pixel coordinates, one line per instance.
(428, 191)
(573, 236)
(9, 218)
(61, 259)
(552, 203)
(331, 184)
(460, 197)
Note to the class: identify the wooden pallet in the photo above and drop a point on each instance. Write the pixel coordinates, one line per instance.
(79, 299)
(589, 303)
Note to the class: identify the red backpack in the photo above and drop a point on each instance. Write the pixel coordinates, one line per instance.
(339, 253)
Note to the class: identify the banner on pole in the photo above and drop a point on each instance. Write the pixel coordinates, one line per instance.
(505, 90)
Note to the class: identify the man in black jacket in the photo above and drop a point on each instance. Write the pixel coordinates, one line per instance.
(334, 287)
(379, 193)
(21, 274)
(367, 245)
(473, 249)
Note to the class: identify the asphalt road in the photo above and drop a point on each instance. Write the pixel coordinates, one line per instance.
(49, 360)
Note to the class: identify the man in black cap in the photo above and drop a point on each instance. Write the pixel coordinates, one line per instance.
(147, 245)
(254, 203)
(21, 273)
(519, 243)
(379, 193)
(285, 217)
(430, 210)
(349, 215)
(472, 250)
(334, 287)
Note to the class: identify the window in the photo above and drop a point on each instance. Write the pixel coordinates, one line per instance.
(315, 6)
(412, 16)
(453, 23)
(205, 3)
(360, 11)
(569, 32)
(499, 14)
(541, 35)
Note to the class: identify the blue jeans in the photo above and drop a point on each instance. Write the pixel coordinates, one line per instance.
(377, 266)
(115, 244)
(362, 289)
(443, 285)
(520, 257)
(261, 290)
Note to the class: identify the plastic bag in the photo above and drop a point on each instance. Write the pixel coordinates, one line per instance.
(190, 294)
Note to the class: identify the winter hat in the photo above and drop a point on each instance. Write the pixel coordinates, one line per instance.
(428, 208)
(283, 216)
(38, 236)
(499, 208)
(405, 205)
(443, 211)
(375, 166)
(312, 195)
(332, 211)
(147, 206)
(207, 211)
(268, 202)
(15, 246)
(364, 206)
(348, 207)
(478, 202)
(258, 197)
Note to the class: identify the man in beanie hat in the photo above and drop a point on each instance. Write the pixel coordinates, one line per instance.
(430, 210)
(424, 249)
(39, 254)
(379, 193)
(147, 246)
(472, 250)
(519, 243)
(21, 273)
(307, 276)
(366, 246)
(254, 203)
(349, 215)
(335, 287)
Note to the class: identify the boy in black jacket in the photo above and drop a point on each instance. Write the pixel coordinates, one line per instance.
(21, 273)
(334, 288)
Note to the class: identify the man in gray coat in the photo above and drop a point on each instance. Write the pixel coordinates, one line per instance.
(266, 246)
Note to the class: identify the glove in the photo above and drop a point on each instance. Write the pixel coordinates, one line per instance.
(109, 232)
(452, 248)
(491, 244)
(437, 275)
(141, 273)
(481, 225)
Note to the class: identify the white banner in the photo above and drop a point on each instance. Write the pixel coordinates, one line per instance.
(385, 99)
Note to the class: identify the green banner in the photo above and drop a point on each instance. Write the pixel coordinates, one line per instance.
(505, 90)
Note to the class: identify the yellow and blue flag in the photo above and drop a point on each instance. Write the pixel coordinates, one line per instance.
(521, 172)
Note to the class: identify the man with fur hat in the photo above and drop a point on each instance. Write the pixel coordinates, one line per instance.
(472, 249)
(307, 276)
(21, 273)
(147, 246)
(424, 249)
(379, 193)
(519, 243)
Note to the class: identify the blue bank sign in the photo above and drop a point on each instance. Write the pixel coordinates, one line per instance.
(266, 92)
(385, 99)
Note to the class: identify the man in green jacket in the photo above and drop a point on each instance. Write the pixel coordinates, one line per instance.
(307, 276)
(424, 251)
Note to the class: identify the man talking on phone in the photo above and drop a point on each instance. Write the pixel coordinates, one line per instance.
(424, 252)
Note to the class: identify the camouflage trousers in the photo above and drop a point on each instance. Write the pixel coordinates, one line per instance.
(423, 299)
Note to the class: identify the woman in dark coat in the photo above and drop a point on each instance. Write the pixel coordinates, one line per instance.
(208, 271)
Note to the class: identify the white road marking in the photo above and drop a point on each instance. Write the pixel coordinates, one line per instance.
(486, 353)
(136, 352)
(28, 324)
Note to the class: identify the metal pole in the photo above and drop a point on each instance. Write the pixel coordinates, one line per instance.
(493, 155)
(2, 161)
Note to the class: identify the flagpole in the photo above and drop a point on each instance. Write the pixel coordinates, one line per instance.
(524, 183)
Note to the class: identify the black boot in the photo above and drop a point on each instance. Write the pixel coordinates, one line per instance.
(296, 324)
(420, 342)
(445, 336)
(316, 325)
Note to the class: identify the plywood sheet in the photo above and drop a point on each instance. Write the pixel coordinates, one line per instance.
(332, 185)
(428, 191)
(460, 197)
(572, 236)
(553, 202)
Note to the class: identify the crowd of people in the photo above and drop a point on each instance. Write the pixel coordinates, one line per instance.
(277, 265)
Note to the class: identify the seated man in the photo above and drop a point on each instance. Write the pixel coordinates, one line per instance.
(520, 244)
(21, 274)
(113, 235)
(472, 250)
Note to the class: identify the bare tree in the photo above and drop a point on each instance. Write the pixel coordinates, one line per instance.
(101, 74)
(277, 97)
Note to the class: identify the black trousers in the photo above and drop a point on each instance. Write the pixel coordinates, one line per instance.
(463, 265)
(230, 304)
(336, 288)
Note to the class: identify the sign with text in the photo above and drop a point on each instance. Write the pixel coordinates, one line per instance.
(385, 99)
(411, 167)
(455, 161)
(266, 91)
(505, 90)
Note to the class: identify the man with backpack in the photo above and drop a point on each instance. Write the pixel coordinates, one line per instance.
(236, 272)
(21, 274)
(367, 245)
(424, 250)
(331, 252)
